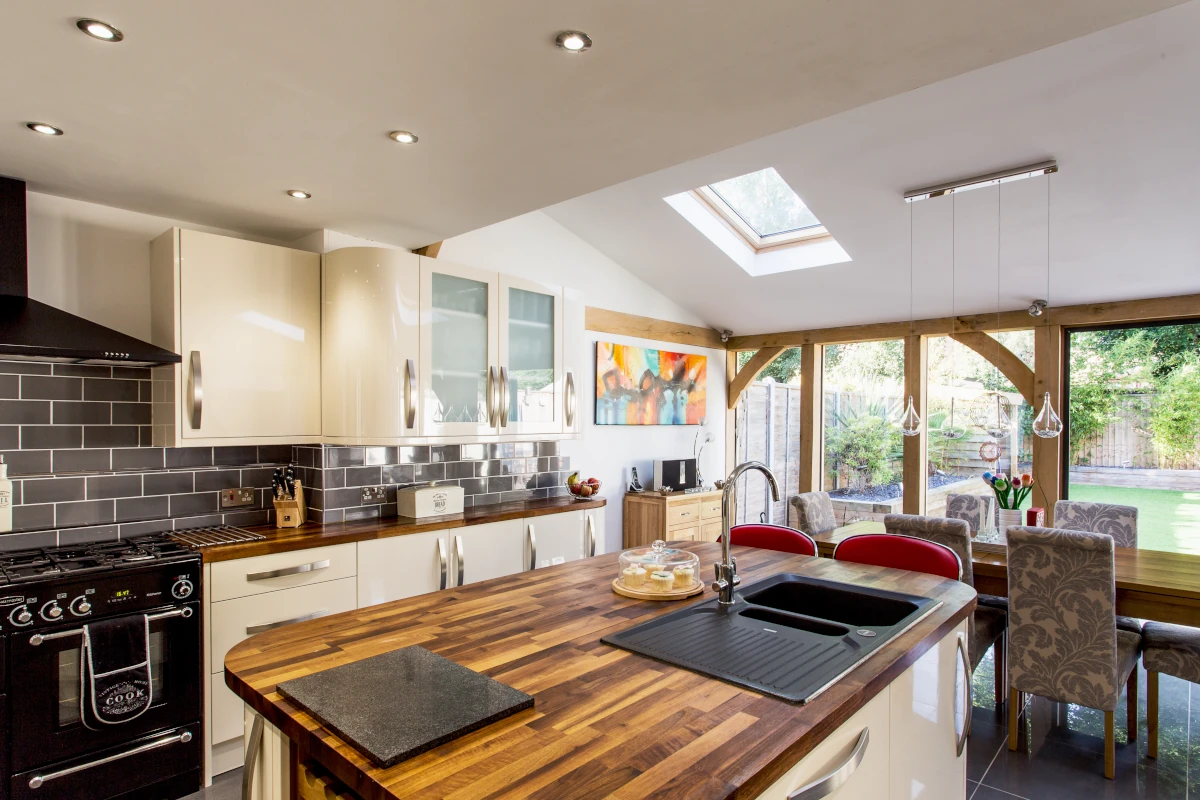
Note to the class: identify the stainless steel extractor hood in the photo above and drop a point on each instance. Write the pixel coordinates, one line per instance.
(33, 331)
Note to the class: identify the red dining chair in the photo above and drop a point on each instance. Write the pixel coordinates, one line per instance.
(772, 537)
(900, 552)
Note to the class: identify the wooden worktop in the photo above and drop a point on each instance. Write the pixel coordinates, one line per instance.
(607, 722)
(314, 534)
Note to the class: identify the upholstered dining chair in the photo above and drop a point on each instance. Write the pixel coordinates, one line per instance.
(899, 552)
(812, 513)
(1119, 522)
(1175, 650)
(976, 509)
(988, 624)
(1063, 641)
(772, 537)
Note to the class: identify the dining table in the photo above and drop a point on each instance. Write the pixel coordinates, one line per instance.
(1151, 584)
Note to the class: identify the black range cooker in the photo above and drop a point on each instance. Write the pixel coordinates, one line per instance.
(47, 747)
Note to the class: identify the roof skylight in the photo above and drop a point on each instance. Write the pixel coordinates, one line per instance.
(765, 202)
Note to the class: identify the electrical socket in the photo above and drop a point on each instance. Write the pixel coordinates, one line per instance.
(372, 495)
(236, 498)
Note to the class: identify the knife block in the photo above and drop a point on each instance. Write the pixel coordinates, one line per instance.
(291, 513)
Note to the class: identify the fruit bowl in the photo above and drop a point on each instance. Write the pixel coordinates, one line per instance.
(583, 489)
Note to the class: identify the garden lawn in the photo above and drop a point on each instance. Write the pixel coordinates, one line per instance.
(1167, 520)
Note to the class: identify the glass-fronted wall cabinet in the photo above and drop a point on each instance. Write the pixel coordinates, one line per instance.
(460, 380)
(531, 359)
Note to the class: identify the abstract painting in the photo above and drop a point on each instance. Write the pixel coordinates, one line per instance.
(641, 386)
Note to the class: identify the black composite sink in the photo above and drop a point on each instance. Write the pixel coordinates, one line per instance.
(788, 636)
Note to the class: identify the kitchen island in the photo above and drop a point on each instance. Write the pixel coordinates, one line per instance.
(608, 722)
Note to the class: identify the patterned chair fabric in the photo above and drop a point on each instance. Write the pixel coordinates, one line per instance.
(1063, 642)
(976, 509)
(1119, 522)
(1173, 649)
(953, 533)
(813, 513)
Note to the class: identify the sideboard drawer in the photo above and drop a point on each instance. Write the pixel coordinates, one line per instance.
(249, 576)
(682, 514)
(685, 534)
(711, 509)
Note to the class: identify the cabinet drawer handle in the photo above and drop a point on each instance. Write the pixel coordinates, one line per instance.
(441, 546)
(968, 699)
(591, 531)
(823, 787)
(458, 557)
(410, 395)
(296, 570)
(505, 398)
(37, 781)
(197, 390)
(492, 399)
(569, 400)
(532, 547)
(267, 626)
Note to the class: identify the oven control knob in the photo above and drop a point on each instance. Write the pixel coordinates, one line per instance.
(80, 607)
(181, 589)
(51, 611)
(20, 616)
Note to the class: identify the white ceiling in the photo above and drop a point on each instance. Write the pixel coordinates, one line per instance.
(209, 110)
(1117, 109)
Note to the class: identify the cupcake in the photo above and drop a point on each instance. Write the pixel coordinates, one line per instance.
(633, 576)
(684, 577)
(663, 581)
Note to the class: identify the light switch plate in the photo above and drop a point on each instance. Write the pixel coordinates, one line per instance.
(235, 498)
(372, 494)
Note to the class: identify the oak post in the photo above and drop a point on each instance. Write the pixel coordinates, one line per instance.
(1047, 453)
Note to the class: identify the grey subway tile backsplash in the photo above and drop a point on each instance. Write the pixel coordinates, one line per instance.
(110, 486)
(52, 490)
(87, 512)
(168, 483)
(25, 412)
(111, 436)
(48, 437)
(129, 509)
(10, 386)
(41, 387)
(111, 390)
(70, 412)
(187, 504)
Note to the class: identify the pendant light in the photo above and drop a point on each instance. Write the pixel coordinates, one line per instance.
(1002, 419)
(1047, 424)
(910, 423)
(950, 431)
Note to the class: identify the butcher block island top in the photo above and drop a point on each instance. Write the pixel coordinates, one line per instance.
(315, 534)
(606, 722)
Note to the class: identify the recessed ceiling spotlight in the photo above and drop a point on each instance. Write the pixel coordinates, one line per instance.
(573, 41)
(44, 129)
(299, 194)
(403, 137)
(99, 30)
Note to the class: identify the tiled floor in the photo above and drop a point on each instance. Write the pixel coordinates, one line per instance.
(1060, 754)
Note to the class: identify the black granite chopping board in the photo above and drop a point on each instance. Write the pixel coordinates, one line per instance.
(396, 705)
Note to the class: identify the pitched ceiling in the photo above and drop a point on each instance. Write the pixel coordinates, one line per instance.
(1115, 109)
(209, 111)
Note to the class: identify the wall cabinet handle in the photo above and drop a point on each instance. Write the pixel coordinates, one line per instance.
(410, 394)
(441, 549)
(299, 569)
(197, 390)
(823, 787)
(267, 626)
(458, 557)
(506, 399)
(968, 700)
(532, 547)
(492, 399)
(591, 532)
(569, 400)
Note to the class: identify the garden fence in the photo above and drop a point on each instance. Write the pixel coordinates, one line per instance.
(1127, 441)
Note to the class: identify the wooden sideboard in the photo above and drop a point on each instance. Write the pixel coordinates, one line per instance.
(694, 517)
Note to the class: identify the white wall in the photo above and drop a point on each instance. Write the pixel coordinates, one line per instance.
(536, 247)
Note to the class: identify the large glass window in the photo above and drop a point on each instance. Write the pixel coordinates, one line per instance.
(863, 446)
(977, 420)
(1133, 427)
(767, 429)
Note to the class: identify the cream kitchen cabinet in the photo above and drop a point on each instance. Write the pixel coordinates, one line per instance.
(370, 344)
(493, 550)
(555, 539)
(246, 317)
(530, 357)
(592, 523)
(403, 566)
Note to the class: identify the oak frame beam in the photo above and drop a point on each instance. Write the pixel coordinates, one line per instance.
(1003, 359)
(744, 377)
(429, 250)
(812, 397)
(618, 323)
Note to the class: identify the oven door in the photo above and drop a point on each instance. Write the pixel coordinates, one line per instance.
(45, 702)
